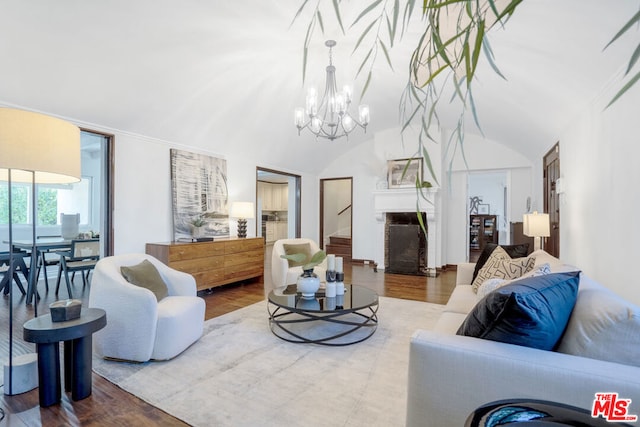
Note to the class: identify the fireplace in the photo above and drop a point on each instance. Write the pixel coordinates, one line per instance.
(405, 244)
(403, 201)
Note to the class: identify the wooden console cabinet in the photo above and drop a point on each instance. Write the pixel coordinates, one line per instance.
(214, 263)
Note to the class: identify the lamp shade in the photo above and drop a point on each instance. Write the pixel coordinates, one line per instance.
(241, 210)
(33, 142)
(536, 225)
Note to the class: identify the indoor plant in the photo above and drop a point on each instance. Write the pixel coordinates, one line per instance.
(308, 282)
(197, 226)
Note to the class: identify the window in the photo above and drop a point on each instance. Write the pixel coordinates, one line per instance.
(52, 201)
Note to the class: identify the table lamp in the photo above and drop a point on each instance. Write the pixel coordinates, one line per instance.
(536, 225)
(242, 211)
(35, 149)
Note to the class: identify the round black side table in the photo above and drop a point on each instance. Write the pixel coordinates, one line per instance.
(77, 337)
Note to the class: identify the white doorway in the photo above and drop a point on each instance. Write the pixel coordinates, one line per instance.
(277, 205)
(488, 193)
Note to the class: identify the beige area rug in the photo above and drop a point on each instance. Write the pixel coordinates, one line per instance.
(240, 374)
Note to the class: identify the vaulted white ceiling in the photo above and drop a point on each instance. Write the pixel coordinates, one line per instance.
(224, 75)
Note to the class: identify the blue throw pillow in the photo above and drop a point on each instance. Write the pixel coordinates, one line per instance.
(531, 312)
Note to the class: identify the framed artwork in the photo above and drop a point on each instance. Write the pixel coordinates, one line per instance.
(483, 209)
(199, 196)
(404, 172)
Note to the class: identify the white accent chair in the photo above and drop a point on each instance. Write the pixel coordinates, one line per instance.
(281, 273)
(139, 327)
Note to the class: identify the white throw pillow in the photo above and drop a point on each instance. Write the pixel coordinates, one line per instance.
(489, 286)
(492, 284)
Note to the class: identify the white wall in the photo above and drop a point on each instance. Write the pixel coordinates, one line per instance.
(482, 155)
(599, 227)
(142, 211)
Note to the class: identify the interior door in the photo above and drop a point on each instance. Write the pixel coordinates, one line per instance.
(551, 198)
(336, 216)
(278, 204)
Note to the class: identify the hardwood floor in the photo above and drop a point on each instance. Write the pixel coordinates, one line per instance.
(108, 405)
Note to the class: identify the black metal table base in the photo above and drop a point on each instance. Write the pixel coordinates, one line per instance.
(282, 320)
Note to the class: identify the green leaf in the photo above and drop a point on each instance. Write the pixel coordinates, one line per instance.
(320, 21)
(419, 215)
(297, 258)
(476, 50)
(364, 62)
(366, 11)
(396, 13)
(336, 7)
(625, 88)
(492, 5)
(441, 4)
(408, 13)
(633, 60)
(474, 112)
(435, 74)
(635, 18)
(304, 3)
(386, 54)
(427, 160)
(362, 36)
(408, 121)
(366, 85)
(317, 258)
(488, 52)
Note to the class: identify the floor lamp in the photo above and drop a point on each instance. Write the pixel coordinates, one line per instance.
(536, 225)
(35, 149)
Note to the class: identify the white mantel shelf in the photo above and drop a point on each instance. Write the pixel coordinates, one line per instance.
(404, 200)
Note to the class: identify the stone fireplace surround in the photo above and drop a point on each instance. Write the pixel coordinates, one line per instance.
(404, 200)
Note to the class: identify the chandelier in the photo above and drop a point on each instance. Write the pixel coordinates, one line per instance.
(330, 118)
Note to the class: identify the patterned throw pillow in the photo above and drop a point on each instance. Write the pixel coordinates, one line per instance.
(502, 268)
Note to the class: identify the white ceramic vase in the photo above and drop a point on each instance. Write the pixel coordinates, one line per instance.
(308, 284)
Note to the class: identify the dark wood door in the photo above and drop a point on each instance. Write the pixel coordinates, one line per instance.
(551, 198)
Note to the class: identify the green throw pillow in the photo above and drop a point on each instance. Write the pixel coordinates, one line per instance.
(146, 275)
(299, 248)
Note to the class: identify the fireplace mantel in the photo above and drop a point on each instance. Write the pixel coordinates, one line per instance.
(404, 200)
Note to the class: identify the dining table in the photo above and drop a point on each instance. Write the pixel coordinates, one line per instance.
(41, 245)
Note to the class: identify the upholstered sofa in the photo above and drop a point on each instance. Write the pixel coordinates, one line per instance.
(451, 375)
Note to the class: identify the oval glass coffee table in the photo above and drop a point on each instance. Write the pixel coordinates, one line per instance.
(336, 321)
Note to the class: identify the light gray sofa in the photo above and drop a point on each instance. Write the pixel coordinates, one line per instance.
(452, 375)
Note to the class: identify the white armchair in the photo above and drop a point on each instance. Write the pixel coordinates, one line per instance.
(139, 327)
(281, 273)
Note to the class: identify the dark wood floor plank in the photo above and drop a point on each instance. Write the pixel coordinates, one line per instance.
(111, 406)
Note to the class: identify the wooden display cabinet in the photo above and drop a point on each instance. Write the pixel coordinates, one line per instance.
(214, 263)
(482, 230)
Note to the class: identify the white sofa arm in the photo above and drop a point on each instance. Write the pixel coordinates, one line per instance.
(450, 376)
(464, 273)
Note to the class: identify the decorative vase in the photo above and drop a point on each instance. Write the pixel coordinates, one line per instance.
(308, 284)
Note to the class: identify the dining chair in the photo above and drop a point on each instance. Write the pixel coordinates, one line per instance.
(18, 265)
(82, 256)
(45, 261)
